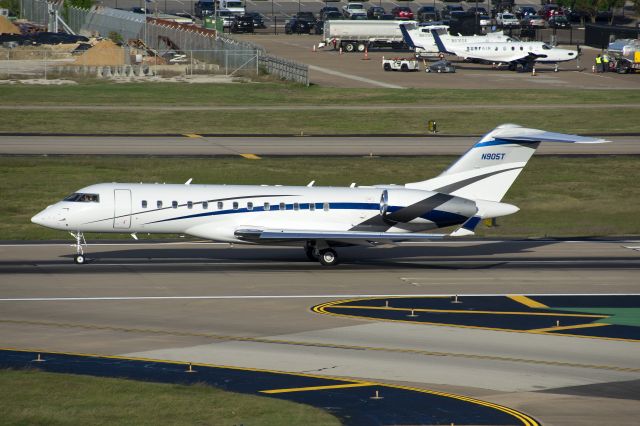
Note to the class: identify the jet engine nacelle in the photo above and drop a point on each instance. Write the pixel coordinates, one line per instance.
(423, 207)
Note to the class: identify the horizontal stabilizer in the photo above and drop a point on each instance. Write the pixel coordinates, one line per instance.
(512, 132)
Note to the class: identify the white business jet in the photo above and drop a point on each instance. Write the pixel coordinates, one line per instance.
(318, 218)
(422, 42)
(523, 54)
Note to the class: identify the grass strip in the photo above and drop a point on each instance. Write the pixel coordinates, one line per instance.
(558, 196)
(110, 93)
(39, 398)
(317, 122)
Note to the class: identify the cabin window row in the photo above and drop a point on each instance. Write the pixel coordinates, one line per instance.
(250, 205)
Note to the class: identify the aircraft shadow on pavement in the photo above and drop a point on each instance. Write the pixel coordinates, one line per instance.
(436, 256)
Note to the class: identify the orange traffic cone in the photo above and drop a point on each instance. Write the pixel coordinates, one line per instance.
(366, 54)
(314, 48)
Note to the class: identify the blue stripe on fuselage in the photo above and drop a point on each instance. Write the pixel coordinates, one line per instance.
(442, 218)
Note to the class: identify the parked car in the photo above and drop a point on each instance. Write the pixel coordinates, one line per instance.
(402, 12)
(533, 21)
(227, 18)
(332, 16)
(477, 11)
(141, 10)
(297, 26)
(548, 10)
(524, 11)
(485, 21)
(375, 12)
(351, 9)
(242, 24)
(258, 19)
(446, 11)
(203, 8)
(507, 20)
(559, 21)
(327, 9)
(306, 16)
(428, 14)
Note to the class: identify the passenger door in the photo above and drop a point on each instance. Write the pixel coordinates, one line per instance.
(122, 209)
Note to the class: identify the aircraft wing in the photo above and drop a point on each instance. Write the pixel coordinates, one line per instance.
(348, 237)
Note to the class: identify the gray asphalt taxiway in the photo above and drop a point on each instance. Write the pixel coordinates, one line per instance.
(191, 145)
(251, 307)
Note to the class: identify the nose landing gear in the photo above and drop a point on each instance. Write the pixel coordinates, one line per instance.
(80, 242)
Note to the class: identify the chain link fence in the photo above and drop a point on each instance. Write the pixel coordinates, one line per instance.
(205, 46)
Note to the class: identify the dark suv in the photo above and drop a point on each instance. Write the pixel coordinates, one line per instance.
(242, 24)
(298, 26)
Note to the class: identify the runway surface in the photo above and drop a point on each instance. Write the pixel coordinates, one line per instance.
(189, 145)
(251, 307)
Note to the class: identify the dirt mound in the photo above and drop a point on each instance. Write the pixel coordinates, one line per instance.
(103, 53)
(6, 27)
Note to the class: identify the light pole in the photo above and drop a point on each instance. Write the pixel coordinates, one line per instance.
(298, 6)
(476, 28)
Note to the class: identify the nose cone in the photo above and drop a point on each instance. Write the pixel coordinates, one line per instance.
(38, 219)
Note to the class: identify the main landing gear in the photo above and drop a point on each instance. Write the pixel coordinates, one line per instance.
(327, 256)
(80, 243)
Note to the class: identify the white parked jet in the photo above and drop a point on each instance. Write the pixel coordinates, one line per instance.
(422, 42)
(516, 54)
(318, 218)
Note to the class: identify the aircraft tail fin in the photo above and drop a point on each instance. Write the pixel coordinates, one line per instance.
(489, 168)
(441, 47)
(407, 37)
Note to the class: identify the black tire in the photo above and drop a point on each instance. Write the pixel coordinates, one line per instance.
(387, 67)
(361, 47)
(349, 47)
(404, 68)
(79, 259)
(328, 257)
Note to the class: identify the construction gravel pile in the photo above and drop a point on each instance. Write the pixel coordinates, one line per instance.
(103, 53)
(6, 27)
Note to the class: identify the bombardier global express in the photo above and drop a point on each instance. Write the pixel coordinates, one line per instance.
(317, 218)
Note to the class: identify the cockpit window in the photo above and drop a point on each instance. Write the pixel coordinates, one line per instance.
(83, 198)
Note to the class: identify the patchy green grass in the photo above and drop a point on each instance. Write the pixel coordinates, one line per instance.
(558, 196)
(39, 398)
(317, 122)
(166, 94)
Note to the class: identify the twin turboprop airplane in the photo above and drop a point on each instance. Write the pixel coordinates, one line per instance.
(318, 218)
(516, 54)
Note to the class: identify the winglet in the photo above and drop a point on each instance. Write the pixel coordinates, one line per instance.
(407, 38)
(439, 43)
(467, 228)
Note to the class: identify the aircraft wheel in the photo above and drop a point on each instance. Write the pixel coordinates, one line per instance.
(328, 257)
(79, 259)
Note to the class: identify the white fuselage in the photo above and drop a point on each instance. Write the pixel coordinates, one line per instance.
(511, 51)
(426, 45)
(216, 211)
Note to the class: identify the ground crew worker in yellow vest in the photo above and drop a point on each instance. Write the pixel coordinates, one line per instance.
(598, 63)
(605, 63)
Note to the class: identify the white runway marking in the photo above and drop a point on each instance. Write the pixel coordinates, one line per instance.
(296, 296)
